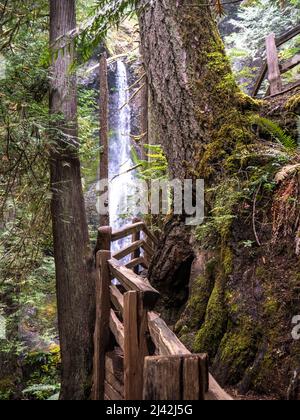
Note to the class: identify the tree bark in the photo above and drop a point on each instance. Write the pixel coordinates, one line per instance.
(193, 96)
(73, 255)
(104, 218)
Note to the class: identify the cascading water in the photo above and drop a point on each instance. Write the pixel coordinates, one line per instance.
(120, 162)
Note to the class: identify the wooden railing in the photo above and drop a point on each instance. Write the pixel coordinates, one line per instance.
(273, 67)
(136, 355)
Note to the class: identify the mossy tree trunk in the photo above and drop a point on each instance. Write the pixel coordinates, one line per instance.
(196, 106)
(73, 255)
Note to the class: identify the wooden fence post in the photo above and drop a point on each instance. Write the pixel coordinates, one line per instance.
(104, 239)
(176, 378)
(135, 346)
(102, 332)
(274, 75)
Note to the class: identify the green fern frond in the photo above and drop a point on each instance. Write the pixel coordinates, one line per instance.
(276, 132)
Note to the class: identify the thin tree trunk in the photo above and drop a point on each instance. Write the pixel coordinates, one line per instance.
(73, 255)
(104, 219)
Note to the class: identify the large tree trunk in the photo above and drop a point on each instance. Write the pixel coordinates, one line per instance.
(73, 256)
(194, 98)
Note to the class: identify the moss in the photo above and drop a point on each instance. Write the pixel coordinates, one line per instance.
(247, 103)
(188, 340)
(260, 272)
(210, 335)
(270, 306)
(293, 103)
(197, 304)
(238, 350)
(227, 258)
(7, 385)
(202, 288)
(265, 374)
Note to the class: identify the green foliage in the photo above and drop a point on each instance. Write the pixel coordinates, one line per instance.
(217, 225)
(156, 165)
(88, 138)
(43, 377)
(276, 132)
(40, 391)
(104, 15)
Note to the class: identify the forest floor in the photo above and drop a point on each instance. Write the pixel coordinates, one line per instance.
(250, 396)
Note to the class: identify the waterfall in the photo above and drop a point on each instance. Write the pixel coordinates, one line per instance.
(119, 152)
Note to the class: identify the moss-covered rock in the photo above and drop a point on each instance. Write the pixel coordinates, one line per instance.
(211, 333)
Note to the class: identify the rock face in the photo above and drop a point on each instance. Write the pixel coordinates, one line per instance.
(245, 289)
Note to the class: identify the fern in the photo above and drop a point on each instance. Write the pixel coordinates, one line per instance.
(276, 132)
(155, 167)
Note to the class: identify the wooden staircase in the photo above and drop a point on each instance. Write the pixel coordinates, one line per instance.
(136, 355)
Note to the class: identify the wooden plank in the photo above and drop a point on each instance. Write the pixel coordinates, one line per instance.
(166, 342)
(186, 382)
(137, 261)
(290, 64)
(117, 329)
(111, 393)
(274, 75)
(162, 379)
(204, 371)
(116, 298)
(102, 334)
(193, 389)
(114, 383)
(135, 348)
(128, 250)
(132, 281)
(114, 364)
(127, 230)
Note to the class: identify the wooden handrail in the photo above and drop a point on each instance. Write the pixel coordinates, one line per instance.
(128, 250)
(140, 333)
(127, 230)
(264, 68)
(136, 262)
(166, 342)
(169, 345)
(132, 229)
(131, 281)
(290, 64)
